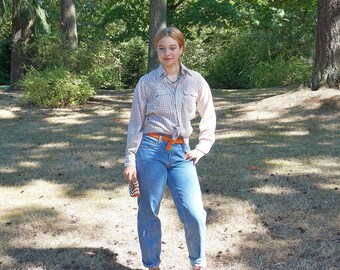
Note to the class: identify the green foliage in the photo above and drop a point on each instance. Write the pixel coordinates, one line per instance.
(279, 73)
(99, 62)
(125, 19)
(134, 61)
(232, 43)
(47, 52)
(197, 52)
(54, 87)
(245, 35)
(231, 67)
(2, 9)
(33, 9)
(245, 57)
(5, 41)
(5, 60)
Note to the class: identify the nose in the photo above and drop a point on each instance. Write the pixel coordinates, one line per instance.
(167, 51)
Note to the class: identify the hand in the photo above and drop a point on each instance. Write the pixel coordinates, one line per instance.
(130, 173)
(194, 155)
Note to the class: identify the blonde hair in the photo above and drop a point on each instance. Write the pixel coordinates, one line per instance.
(169, 32)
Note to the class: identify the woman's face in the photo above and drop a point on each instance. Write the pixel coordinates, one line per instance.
(168, 51)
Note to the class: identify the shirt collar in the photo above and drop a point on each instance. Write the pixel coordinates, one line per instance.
(160, 71)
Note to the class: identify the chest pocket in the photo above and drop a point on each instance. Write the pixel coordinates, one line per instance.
(161, 102)
(189, 102)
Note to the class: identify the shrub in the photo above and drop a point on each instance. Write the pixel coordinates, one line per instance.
(198, 50)
(281, 72)
(232, 65)
(98, 61)
(134, 61)
(54, 87)
(101, 65)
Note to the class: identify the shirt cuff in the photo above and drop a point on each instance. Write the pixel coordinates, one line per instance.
(203, 147)
(130, 161)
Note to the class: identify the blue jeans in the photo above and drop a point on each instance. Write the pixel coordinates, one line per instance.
(156, 168)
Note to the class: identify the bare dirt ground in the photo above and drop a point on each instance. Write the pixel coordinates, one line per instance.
(270, 185)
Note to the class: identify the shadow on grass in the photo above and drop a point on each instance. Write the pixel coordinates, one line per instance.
(49, 226)
(81, 147)
(68, 258)
(287, 166)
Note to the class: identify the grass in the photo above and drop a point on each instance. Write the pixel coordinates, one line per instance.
(270, 185)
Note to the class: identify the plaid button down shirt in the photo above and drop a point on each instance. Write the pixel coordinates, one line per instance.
(167, 108)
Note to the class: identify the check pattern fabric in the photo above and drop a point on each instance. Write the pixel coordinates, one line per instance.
(160, 106)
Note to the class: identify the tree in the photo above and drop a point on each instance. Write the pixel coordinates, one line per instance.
(26, 17)
(157, 22)
(22, 34)
(68, 23)
(327, 58)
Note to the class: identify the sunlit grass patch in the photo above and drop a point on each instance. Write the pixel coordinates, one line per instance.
(74, 118)
(275, 190)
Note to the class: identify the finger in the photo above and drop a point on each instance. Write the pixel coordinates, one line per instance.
(125, 175)
(190, 158)
(131, 177)
(128, 177)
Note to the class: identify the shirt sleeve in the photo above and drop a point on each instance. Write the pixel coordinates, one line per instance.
(207, 126)
(136, 122)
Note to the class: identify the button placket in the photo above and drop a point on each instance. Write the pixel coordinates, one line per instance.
(178, 102)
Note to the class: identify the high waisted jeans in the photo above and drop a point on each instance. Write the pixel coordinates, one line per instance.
(156, 168)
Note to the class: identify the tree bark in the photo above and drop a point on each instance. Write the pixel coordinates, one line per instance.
(157, 22)
(22, 34)
(327, 57)
(69, 23)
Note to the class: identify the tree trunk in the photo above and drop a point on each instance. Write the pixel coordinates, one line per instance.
(22, 34)
(327, 58)
(157, 22)
(69, 24)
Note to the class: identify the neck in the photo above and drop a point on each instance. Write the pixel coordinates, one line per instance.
(172, 71)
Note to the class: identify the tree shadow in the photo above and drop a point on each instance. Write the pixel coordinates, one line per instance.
(49, 226)
(68, 258)
(82, 147)
(286, 166)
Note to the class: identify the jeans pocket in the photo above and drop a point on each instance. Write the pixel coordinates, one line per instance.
(148, 142)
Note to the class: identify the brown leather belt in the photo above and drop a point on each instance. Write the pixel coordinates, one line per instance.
(167, 139)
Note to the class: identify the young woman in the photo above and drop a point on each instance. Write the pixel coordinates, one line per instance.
(158, 153)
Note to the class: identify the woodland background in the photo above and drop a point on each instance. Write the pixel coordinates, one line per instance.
(234, 44)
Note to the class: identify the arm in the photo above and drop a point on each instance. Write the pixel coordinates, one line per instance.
(207, 124)
(135, 134)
